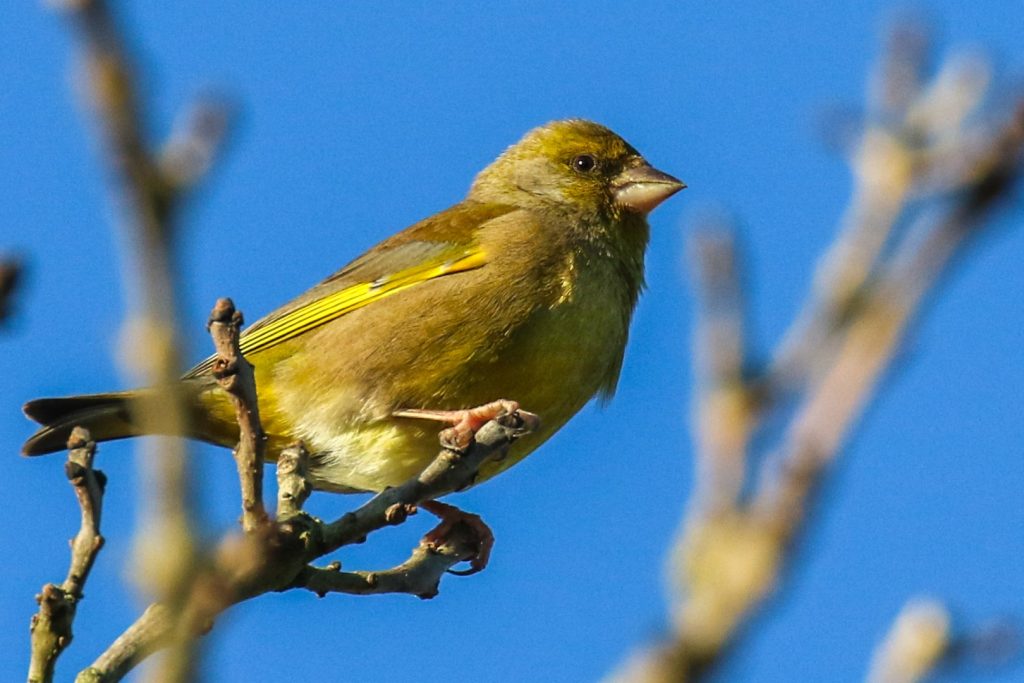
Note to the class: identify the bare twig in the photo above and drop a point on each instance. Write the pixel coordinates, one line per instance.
(235, 375)
(51, 625)
(420, 575)
(293, 487)
(141, 639)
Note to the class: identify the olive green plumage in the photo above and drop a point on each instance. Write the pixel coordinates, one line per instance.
(524, 290)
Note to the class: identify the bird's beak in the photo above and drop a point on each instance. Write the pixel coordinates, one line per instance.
(641, 188)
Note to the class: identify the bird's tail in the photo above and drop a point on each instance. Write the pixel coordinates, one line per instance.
(106, 416)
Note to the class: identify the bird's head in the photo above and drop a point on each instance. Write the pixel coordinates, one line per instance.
(575, 166)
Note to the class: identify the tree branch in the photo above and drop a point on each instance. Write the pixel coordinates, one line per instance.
(293, 487)
(235, 375)
(724, 416)
(51, 625)
(141, 639)
(420, 575)
(452, 470)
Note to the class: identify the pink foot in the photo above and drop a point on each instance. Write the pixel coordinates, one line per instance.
(451, 516)
(465, 423)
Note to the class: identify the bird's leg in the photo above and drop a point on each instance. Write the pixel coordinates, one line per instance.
(451, 516)
(464, 426)
(464, 423)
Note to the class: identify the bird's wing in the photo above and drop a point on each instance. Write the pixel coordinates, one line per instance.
(439, 246)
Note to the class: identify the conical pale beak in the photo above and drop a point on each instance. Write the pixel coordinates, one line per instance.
(641, 188)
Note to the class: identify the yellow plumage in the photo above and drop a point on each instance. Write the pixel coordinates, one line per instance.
(523, 291)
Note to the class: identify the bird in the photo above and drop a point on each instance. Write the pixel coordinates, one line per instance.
(525, 289)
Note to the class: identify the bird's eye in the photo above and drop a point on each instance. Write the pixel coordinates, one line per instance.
(584, 163)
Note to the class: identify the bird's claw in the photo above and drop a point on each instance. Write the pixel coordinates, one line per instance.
(452, 516)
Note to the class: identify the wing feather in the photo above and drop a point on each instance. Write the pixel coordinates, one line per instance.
(441, 245)
(322, 311)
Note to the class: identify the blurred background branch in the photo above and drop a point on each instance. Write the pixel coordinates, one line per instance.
(925, 639)
(918, 639)
(929, 170)
(150, 184)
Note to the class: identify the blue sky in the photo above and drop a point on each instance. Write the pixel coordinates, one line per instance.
(359, 119)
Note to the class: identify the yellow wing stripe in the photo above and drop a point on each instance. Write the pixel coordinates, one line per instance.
(335, 305)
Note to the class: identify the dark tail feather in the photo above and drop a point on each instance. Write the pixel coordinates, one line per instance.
(106, 416)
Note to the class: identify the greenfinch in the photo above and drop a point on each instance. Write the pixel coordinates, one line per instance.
(524, 289)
